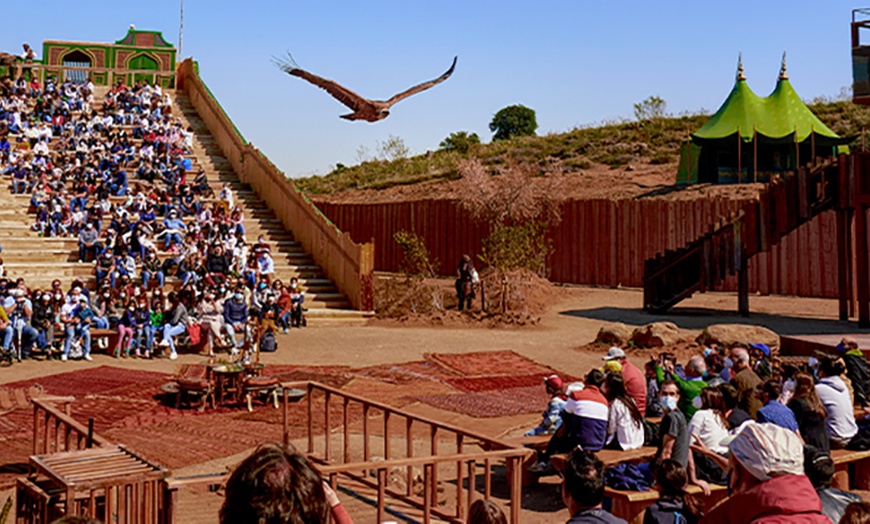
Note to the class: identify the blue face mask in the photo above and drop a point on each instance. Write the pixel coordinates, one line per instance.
(668, 403)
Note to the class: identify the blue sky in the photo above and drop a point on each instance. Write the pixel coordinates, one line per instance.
(574, 63)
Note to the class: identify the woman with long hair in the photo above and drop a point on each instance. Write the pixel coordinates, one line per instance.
(674, 504)
(625, 421)
(708, 427)
(809, 412)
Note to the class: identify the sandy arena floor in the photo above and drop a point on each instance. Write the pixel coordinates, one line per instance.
(572, 322)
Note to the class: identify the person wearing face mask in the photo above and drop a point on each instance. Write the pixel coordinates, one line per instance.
(176, 323)
(126, 329)
(675, 435)
(690, 387)
(142, 341)
(235, 318)
(100, 307)
(297, 297)
(43, 320)
(708, 427)
(211, 320)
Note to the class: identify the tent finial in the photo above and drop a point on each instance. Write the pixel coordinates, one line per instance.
(740, 75)
(783, 75)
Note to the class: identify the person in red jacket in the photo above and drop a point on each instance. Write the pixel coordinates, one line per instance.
(767, 481)
(635, 379)
(275, 484)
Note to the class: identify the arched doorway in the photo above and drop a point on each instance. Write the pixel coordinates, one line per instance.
(76, 59)
(143, 63)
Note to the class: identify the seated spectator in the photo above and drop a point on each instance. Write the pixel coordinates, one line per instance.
(584, 422)
(691, 386)
(835, 397)
(856, 513)
(653, 408)
(635, 383)
(767, 480)
(819, 468)
(810, 413)
(175, 323)
(773, 411)
(674, 435)
(856, 369)
(552, 417)
(709, 428)
(88, 244)
(583, 490)
(735, 416)
(485, 512)
(745, 380)
(274, 485)
(760, 353)
(625, 422)
(235, 318)
(674, 504)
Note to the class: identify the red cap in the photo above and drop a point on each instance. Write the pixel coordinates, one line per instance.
(554, 381)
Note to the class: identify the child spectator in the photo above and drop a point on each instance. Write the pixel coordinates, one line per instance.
(552, 417)
(674, 505)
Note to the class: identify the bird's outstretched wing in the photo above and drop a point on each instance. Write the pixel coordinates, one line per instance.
(338, 91)
(424, 86)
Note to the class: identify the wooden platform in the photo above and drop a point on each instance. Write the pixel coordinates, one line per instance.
(806, 345)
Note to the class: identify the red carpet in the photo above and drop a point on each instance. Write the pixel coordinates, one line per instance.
(126, 408)
(491, 363)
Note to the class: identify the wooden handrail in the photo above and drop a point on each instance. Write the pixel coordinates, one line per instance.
(64, 427)
(420, 461)
(492, 442)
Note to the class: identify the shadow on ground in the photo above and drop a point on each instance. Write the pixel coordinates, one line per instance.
(699, 318)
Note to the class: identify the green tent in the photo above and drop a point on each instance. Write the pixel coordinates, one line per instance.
(751, 138)
(781, 117)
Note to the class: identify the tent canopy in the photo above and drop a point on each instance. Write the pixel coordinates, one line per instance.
(778, 118)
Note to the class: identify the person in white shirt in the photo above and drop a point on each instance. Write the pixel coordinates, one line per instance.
(709, 424)
(625, 421)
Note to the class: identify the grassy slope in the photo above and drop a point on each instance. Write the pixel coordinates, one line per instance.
(613, 144)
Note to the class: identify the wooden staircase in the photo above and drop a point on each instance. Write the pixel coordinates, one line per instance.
(40, 260)
(703, 264)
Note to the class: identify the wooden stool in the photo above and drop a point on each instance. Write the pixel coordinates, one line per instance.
(261, 385)
(195, 387)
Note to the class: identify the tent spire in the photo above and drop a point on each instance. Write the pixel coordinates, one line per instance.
(783, 74)
(740, 75)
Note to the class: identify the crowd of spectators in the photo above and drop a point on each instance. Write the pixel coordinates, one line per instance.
(737, 417)
(118, 176)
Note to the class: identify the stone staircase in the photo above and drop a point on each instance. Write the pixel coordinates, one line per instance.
(41, 260)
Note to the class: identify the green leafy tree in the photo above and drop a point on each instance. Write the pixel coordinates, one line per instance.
(511, 121)
(461, 142)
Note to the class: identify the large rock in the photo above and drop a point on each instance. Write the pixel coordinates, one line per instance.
(728, 335)
(656, 335)
(615, 334)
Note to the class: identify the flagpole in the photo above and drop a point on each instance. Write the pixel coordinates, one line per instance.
(180, 32)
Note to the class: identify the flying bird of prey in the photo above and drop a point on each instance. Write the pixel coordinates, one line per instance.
(363, 108)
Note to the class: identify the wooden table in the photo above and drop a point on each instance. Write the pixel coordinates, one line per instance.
(108, 483)
(851, 469)
(631, 505)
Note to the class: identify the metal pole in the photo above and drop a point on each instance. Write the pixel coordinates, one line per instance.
(180, 56)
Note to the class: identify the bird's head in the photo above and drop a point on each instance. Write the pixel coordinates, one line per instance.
(383, 113)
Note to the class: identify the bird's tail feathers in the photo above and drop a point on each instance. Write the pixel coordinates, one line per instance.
(288, 64)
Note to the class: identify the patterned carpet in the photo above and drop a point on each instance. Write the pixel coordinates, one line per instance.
(127, 408)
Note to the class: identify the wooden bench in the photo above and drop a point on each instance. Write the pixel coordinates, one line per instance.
(631, 505)
(851, 469)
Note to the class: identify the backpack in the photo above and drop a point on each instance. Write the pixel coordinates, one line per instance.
(650, 433)
(268, 343)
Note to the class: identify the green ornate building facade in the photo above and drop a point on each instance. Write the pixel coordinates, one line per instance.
(140, 55)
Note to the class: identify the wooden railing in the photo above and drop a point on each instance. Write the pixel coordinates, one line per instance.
(55, 431)
(384, 445)
(396, 429)
(348, 264)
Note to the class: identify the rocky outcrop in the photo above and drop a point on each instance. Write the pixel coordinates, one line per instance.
(728, 335)
(615, 334)
(656, 335)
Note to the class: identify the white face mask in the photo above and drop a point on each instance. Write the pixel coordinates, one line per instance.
(696, 402)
